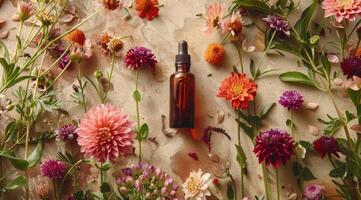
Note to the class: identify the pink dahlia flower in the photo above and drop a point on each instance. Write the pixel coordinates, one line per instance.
(215, 13)
(342, 9)
(105, 133)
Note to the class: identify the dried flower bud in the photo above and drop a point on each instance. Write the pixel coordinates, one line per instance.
(314, 39)
(115, 45)
(46, 19)
(9, 107)
(98, 74)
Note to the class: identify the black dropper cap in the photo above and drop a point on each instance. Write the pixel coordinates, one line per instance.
(183, 58)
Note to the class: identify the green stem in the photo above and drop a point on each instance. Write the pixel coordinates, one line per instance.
(358, 44)
(82, 93)
(138, 118)
(240, 58)
(54, 188)
(67, 174)
(17, 51)
(239, 143)
(225, 38)
(266, 51)
(300, 180)
(278, 184)
(109, 78)
(266, 182)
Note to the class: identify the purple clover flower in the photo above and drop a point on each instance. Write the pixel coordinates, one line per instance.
(67, 132)
(291, 99)
(278, 24)
(140, 57)
(53, 169)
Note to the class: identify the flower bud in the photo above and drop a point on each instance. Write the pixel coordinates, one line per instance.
(314, 39)
(98, 74)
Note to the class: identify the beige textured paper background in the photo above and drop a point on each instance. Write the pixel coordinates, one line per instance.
(178, 21)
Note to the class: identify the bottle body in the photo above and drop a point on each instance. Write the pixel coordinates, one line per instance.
(182, 99)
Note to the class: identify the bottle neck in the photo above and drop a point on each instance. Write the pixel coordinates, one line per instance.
(182, 68)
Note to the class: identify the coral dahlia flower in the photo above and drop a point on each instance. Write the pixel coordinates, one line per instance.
(147, 8)
(105, 133)
(274, 147)
(342, 9)
(238, 89)
(214, 53)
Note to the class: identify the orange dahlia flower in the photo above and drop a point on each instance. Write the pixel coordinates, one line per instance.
(147, 8)
(238, 89)
(214, 53)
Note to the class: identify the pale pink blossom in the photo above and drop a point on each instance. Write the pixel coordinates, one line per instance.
(353, 84)
(342, 9)
(214, 13)
(25, 10)
(105, 133)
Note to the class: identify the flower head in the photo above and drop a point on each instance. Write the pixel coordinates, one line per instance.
(238, 89)
(144, 181)
(233, 25)
(353, 84)
(214, 53)
(326, 145)
(342, 9)
(102, 42)
(147, 8)
(351, 66)
(25, 10)
(76, 37)
(115, 45)
(274, 147)
(140, 57)
(278, 24)
(67, 132)
(45, 18)
(53, 169)
(105, 133)
(111, 4)
(214, 13)
(291, 99)
(314, 192)
(196, 185)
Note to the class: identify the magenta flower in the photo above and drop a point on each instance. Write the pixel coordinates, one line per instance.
(140, 57)
(53, 169)
(351, 66)
(326, 145)
(105, 133)
(291, 99)
(67, 132)
(278, 24)
(64, 61)
(314, 192)
(274, 147)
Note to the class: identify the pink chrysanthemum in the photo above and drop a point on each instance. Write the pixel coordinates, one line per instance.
(214, 14)
(140, 57)
(274, 147)
(105, 133)
(238, 89)
(53, 169)
(342, 9)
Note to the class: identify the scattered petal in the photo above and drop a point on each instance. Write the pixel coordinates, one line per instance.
(67, 18)
(332, 58)
(2, 23)
(356, 127)
(292, 196)
(164, 130)
(4, 34)
(193, 155)
(220, 117)
(313, 130)
(311, 106)
(301, 151)
(246, 47)
(15, 18)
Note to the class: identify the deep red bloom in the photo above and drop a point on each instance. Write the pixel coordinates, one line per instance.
(326, 145)
(351, 66)
(274, 147)
(140, 57)
(147, 8)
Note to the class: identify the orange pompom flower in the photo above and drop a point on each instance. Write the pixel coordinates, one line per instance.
(76, 37)
(238, 89)
(147, 8)
(214, 53)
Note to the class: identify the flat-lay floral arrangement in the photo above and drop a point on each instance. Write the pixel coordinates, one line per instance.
(105, 134)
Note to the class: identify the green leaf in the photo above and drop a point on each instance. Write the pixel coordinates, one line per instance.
(296, 77)
(230, 192)
(143, 132)
(307, 145)
(338, 172)
(247, 129)
(16, 183)
(105, 187)
(106, 166)
(136, 95)
(79, 195)
(289, 123)
(16, 162)
(303, 24)
(241, 157)
(307, 174)
(35, 156)
(257, 5)
(266, 110)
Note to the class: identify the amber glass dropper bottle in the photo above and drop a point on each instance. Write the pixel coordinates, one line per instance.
(182, 91)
